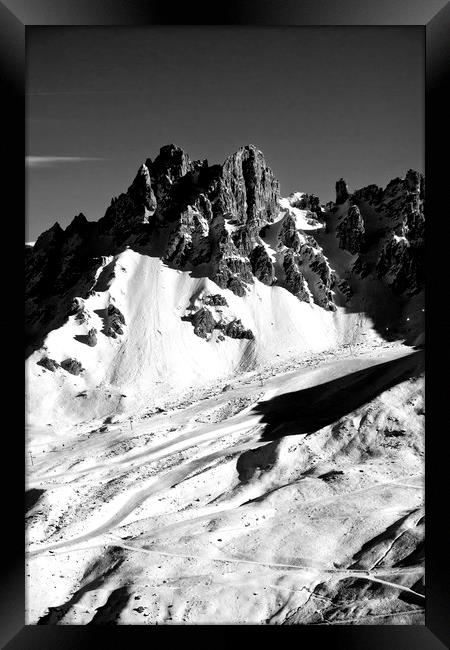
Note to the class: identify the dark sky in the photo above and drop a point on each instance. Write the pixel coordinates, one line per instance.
(321, 103)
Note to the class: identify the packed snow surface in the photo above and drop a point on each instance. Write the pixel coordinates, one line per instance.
(292, 493)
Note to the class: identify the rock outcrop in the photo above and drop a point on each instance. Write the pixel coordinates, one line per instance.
(290, 235)
(91, 337)
(294, 279)
(236, 330)
(401, 262)
(72, 366)
(215, 300)
(345, 288)
(350, 230)
(262, 265)
(203, 322)
(48, 364)
(248, 191)
(211, 312)
(342, 193)
(360, 267)
(401, 265)
(390, 246)
(309, 202)
(114, 322)
(189, 243)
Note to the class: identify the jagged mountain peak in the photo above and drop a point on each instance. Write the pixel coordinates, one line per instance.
(78, 222)
(249, 148)
(49, 237)
(250, 153)
(171, 157)
(170, 149)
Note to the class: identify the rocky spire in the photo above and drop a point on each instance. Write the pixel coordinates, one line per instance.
(77, 225)
(49, 238)
(413, 181)
(141, 189)
(249, 192)
(342, 193)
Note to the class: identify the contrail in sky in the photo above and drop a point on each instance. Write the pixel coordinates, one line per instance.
(51, 161)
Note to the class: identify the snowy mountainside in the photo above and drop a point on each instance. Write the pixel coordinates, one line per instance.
(158, 350)
(225, 409)
(199, 271)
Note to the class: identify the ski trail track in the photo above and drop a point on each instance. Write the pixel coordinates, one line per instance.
(175, 448)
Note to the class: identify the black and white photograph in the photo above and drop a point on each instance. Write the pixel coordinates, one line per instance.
(225, 325)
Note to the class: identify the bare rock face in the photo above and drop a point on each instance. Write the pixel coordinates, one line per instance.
(141, 191)
(44, 254)
(189, 243)
(360, 267)
(48, 364)
(166, 170)
(60, 266)
(232, 270)
(236, 330)
(344, 287)
(401, 265)
(294, 279)
(350, 230)
(203, 322)
(72, 365)
(289, 234)
(309, 202)
(400, 255)
(76, 307)
(342, 193)
(215, 300)
(91, 337)
(131, 208)
(262, 265)
(247, 199)
(114, 321)
(248, 190)
(413, 181)
(201, 201)
(392, 250)
(308, 272)
(372, 194)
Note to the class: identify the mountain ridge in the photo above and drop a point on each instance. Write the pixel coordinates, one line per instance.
(227, 228)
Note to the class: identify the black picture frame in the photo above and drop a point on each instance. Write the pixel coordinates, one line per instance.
(434, 16)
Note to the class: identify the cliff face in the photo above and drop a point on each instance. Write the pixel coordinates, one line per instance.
(397, 235)
(351, 230)
(375, 242)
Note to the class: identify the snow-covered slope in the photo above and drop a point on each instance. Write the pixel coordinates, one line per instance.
(158, 354)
